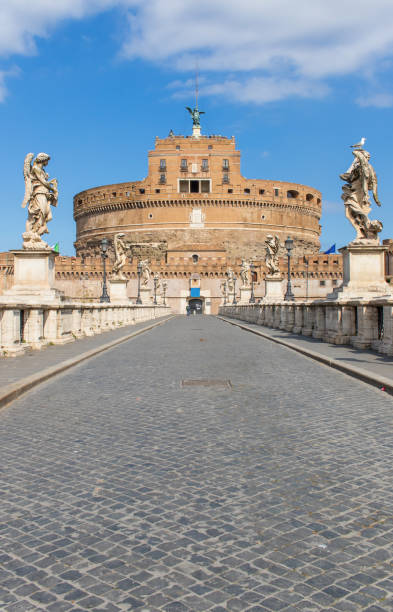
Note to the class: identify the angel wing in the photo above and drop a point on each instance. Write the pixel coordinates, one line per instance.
(190, 110)
(27, 175)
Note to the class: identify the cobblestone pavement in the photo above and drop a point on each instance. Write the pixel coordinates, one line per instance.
(124, 490)
(13, 369)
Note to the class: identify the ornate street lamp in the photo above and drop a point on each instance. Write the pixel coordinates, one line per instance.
(234, 301)
(289, 246)
(156, 278)
(164, 288)
(306, 260)
(139, 272)
(252, 296)
(104, 248)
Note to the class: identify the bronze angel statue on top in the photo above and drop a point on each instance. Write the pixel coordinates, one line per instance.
(40, 194)
(196, 115)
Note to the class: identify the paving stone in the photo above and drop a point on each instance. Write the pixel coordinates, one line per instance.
(127, 491)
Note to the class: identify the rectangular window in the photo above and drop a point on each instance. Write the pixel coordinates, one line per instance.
(246, 191)
(225, 163)
(162, 164)
(205, 164)
(162, 178)
(276, 192)
(225, 177)
(183, 164)
(261, 191)
(194, 186)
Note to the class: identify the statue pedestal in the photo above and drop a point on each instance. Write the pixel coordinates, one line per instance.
(146, 297)
(196, 131)
(245, 295)
(273, 289)
(363, 273)
(34, 278)
(118, 290)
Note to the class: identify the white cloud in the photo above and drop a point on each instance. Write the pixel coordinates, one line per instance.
(254, 50)
(379, 100)
(21, 21)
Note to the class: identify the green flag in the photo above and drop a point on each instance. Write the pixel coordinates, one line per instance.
(56, 248)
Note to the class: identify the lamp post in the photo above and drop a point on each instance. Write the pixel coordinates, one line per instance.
(252, 296)
(139, 273)
(104, 248)
(289, 246)
(225, 285)
(156, 278)
(234, 301)
(305, 259)
(164, 287)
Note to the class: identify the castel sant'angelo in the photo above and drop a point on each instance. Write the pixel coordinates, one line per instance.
(195, 198)
(193, 218)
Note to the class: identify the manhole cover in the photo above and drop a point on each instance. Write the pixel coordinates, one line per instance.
(206, 382)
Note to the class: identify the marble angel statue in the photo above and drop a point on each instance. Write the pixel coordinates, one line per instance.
(245, 273)
(272, 244)
(224, 287)
(230, 281)
(120, 256)
(146, 272)
(40, 194)
(359, 179)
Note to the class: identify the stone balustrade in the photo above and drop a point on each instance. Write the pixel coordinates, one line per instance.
(35, 326)
(362, 324)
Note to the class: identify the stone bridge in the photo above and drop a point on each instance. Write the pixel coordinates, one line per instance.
(192, 467)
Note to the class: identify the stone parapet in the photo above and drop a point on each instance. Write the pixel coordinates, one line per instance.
(34, 326)
(361, 324)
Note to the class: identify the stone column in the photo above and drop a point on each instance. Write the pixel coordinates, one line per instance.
(298, 322)
(367, 328)
(77, 322)
(387, 342)
(86, 323)
(11, 332)
(51, 325)
(319, 326)
(308, 321)
(277, 315)
(283, 316)
(34, 328)
(290, 319)
(261, 315)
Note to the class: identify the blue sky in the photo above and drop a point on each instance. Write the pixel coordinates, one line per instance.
(92, 82)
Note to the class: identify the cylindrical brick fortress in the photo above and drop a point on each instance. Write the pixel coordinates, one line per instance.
(194, 194)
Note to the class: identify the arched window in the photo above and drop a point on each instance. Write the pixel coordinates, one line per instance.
(309, 197)
(195, 259)
(292, 193)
